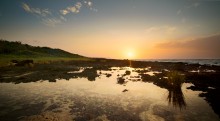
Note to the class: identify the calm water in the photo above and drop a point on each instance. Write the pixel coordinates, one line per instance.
(190, 61)
(102, 99)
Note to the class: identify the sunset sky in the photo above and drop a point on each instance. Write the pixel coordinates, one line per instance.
(136, 29)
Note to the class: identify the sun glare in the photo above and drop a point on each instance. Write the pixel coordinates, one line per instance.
(130, 55)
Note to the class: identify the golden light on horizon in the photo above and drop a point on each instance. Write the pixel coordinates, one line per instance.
(130, 55)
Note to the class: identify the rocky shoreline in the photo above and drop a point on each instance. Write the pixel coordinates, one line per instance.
(205, 78)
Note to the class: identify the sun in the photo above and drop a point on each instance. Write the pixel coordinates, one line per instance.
(130, 55)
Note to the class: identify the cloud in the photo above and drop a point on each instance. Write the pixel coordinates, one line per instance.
(64, 12)
(152, 29)
(51, 19)
(188, 7)
(63, 18)
(88, 3)
(52, 22)
(26, 7)
(77, 7)
(36, 11)
(72, 9)
(205, 47)
(46, 16)
(164, 29)
(193, 5)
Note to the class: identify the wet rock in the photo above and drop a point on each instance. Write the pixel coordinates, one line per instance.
(147, 78)
(125, 90)
(108, 75)
(91, 74)
(121, 80)
(127, 72)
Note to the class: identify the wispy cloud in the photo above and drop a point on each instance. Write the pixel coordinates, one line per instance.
(48, 18)
(72, 9)
(183, 10)
(63, 18)
(165, 29)
(192, 5)
(64, 12)
(52, 22)
(26, 7)
(36, 11)
(89, 3)
(76, 8)
(45, 15)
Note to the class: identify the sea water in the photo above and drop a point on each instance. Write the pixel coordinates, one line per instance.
(189, 61)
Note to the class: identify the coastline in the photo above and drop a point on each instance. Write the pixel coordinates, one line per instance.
(189, 61)
(204, 78)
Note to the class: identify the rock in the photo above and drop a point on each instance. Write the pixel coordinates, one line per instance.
(121, 80)
(108, 75)
(127, 72)
(125, 90)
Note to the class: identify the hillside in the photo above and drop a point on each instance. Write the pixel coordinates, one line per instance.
(18, 51)
(24, 50)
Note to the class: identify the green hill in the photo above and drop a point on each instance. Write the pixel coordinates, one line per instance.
(19, 51)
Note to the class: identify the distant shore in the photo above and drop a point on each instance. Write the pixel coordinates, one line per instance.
(189, 61)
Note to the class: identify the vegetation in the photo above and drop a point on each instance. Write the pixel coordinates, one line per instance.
(19, 51)
(175, 78)
(175, 95)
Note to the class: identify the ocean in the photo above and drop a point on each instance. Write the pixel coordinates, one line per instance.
(189, 61)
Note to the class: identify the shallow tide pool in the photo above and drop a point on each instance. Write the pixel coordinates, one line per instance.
(101, 100)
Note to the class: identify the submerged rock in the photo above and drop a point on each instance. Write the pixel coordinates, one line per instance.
(125, 90)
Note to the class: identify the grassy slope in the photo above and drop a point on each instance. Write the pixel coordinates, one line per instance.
(19, 51)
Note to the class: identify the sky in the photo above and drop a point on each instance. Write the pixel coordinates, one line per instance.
(121, 29)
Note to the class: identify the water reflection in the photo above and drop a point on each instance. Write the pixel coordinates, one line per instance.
(175, 95)
(170, 80)
(96, 94)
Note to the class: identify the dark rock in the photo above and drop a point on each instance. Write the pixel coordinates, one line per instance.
(127, 72)
(108, 75)
(121, 80)
(125, 90)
